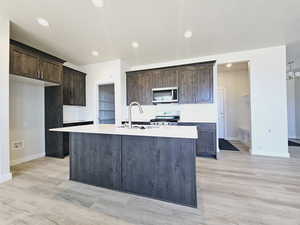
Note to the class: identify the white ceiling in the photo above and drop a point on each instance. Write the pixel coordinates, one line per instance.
(77, 27)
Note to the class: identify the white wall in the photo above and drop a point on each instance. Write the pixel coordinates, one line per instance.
(104, 73)
(268, 108)
(268, 95)
(188, 113)
(27, 120)
(4, 99)
(236, 86)
(74, 113)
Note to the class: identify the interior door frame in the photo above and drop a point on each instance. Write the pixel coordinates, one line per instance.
(96, 116)
(224, 109)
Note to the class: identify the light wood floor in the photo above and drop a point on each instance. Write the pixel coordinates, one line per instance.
(237, 189)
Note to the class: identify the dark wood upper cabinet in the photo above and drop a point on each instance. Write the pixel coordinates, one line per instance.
(29, 62)
(203, 85)
(165, 78)
(194, 82)
(138, 86)
(82, 89)
(50, 71)
(74, 87)
(24, 63)
(186, 83)
(145, 83)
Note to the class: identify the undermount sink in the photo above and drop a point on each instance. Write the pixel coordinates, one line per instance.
(142, 127)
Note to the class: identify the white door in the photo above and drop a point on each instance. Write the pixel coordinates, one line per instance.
(221, 113)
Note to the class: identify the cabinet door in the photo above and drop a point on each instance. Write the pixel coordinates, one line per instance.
(203, 85)
(137, 176)
(51, 71)
(53, 119)
(100, 162)
(186, 84)
(206, 143)
(145, 88)
(67, 80)
(74, 86)
(82, 89)
(23, 63)
(162, 168)
(165, 78)
(132, 88)
(139, 87)
(79, 88)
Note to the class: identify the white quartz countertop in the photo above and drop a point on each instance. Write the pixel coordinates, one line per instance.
(189, 132)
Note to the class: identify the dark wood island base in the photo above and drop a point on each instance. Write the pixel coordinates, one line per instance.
(156, 167)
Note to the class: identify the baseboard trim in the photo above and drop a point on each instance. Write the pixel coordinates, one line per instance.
(27, 159)
(271, 154)
(5, 177)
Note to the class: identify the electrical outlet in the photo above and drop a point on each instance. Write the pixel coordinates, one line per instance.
(17, 145)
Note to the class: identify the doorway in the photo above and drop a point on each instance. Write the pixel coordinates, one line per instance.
(221, 113)
(293, 109)
(106, 102)
(234, 112)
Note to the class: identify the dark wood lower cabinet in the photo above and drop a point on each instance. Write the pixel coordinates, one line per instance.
(161, 168)
(66, 136)
(53, 119)
(96, 160)
(207, 139)
(57, 144)
(155, 167)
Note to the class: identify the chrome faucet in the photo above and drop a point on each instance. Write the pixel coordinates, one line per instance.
(130, 112)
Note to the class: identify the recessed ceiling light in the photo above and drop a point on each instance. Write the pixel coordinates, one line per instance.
(98, 3)
(43, 22)
(135, 44)
(95, 53)
(188, 34)
(228, 65)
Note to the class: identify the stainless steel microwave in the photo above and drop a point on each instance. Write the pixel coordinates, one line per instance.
(165, 95)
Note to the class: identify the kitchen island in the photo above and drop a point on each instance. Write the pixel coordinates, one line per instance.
(156, 162)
